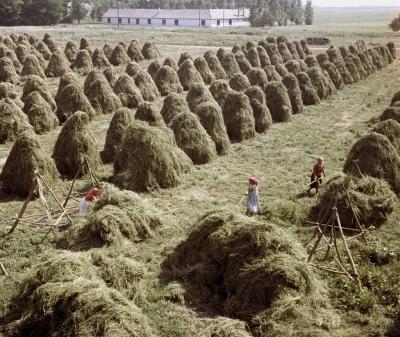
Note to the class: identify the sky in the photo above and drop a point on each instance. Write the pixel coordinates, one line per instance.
(356, 3)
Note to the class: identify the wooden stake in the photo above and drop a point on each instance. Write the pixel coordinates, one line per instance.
(317, 242)
(71, 188)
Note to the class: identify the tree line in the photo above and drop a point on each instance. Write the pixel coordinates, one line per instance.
(50, 12)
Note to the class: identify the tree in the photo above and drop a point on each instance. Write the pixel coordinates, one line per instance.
(99, 9)
(308, 13)
(78, 10)
(10, 11)
(41, 12)
(395, 24)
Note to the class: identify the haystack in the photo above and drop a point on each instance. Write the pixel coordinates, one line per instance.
(209, 53)
(8, 90)
(22, 52)
(204, 70)
(6, 52)
(230, 65)
(167, 81)
(238, 117)
(376, 58)
(184, 56)
(261, 113)
(220, 90)
(119, 56)
(360, 67)
(52, 44)
(66, 79)
(146, 85)
(353, 49)
(392, 49)
(374, 155)
(216, 68)
(58, 65)
(14, 37)
(293, 50)
(281, 39)
(7, 71)
(134, 52)
(149, 159)
(12, 121)
(84, 43)
(257, 77)
(294, 92)
(40, 113)
(344, 73)
(188, 74)
(278, 102)
(25, 158)
(255, 92)
(318, 82)
(370, 199)
(153, 68)
(385, 53)
(192, 138)
(300, 50)
(253, 57)
(171, 63)
(250, 44)
(124, 45)
(271, 39)
(281, 69)
(110, 75)
(273, 53)
(128, 92)
(73, 99)
(99, 59)
(293, 67)
(42, 61)
(75, 146)
(285, 52)
(211, 119)
(115, 133)
(36, 83)
(150, 51)
(243, 62)
(251, 270)
(32, 67)
(173, 105)
(197, 94)
(344, 51)
(101, 96)
(70, 51)
(42, 48)
(236, 48)
(83, 62)
(368, 66)
(329, 85)
(391, 113)
(239, 82)
(333, 74)
(334, 55)
(132, 68)
(391, 129)
(108, 50)
(395, 99)
(272, 74)
(221, 52)
(9, 43)
(306, 49)
(352, 68)
(264, 58)
(147, 113)
(311, 61)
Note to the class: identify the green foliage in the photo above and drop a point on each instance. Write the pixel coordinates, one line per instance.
(41, 12)
(395, 24)
(78, 10)
(10, 11)
(309, 13)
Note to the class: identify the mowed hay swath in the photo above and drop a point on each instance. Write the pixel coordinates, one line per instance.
(76, 147)
(278, 102)
(167, 81)
(26, 157)
(115, 133)
(12, 121)
(149, 159)
(192, 138)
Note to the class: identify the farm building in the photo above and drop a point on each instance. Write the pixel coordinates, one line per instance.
(178, 17)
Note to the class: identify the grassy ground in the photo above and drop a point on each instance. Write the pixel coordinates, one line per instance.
(281, 158)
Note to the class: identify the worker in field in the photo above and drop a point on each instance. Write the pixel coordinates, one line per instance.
(90, 196)
(316, 176)
(253, 203)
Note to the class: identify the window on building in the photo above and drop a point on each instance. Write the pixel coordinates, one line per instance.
(203, 22)
(164, 22)
(129, 21)
(230, 22)
(138, 21)
(119, 20)
(108, 20)
(149, 21)
(176, 22)
(218, 22)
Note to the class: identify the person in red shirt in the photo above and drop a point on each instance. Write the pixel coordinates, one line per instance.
(316, 176)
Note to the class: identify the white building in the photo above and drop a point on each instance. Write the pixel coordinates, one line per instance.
(178, 17)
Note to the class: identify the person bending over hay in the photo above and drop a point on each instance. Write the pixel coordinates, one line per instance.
(316, 176)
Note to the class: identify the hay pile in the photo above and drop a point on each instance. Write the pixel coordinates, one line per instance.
(132, 68)
(293, 67)
(99, 59)
(367, 63)
(221, 52)
(115, 133)
(32, 67)
(110, 75)
(391, 113)
(243, 62)
(239, 82)
(216, 68)
(273, 53)
(167, 81)
(171, 63)
(12, 121)
(374, 155)
(73, 99)
(42, 61)
(192, 138)
(333, 74)
(184, 56)
(8, 90)
(149, 51)
(75, 143)
(271, 39)
(52, 44)
(147, 113)
(197, 94)
(84, 44)
(253, 57)
(153, 68)
(188, 74)
(58, 65)
(25, 158)
(108, 50)
(257, 77)
(66, 79)
(39, 112)
(264, 58)
(220, 90)
(281, 69)
(392, 49)
(294, 92)
(149, 159)
(360, 67)
(42, 48)
(261, 113)
(128, 92)
(299, 49)
(119, 56)
(146, 85)
(251, 270)
(204, 70)
(230, 65)
(83, 63)
(391, 129)
(22, 52)
(7, 71)
(306, 49)
(278, 102)
(318, 81)
(71, 51)
(173, 105)
(371, 199)
(352, 68)
(376, 58)
(308, 92)
(285, 52)
(311, 61)
(134, 52)
(293, 50)
(272, 74)
(238, 117)
(36, 83)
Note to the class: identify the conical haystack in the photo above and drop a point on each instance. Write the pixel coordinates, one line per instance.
(58, 65)
(293, 67)
(146, 85)
(239, 82)
(76, 146)
(7, 71)
(192, 138)
(204, 70)
(153, 68)
(285, 52)
(26, 157)
(134, 52)
(119, 56)
(108, 50)
(257, 77)
(167, 81)
(84, 43)
(392, 49)
(42, 61)
(312, 61)
(293, 50)
(221, 52)
(220, 90)
(278, 102)
(238, 117)
(273, 53)
(173, 105)
(127, 91)
(334, 74)
(32, 67)
(188, 74)
(352, 68)
(8, 90)
(83, 63)
(22, 52)
(281, 69)
(171, 63)
(391, 113)
(9, 53)
(253, 57)
(132, 68)
(230, 65)
(184, 56)
(391, 129)
(39, 112)
(71, 51)
(272, 74)
(294, 92)
(99, 59)
(147, 113)
(299, 49)
(263, 55)
(66, 79)
(36, 83)
(42, 48)
(216, 67)
(318, 82)
(262, 116)
(198, 93)
(12, 121)
(308, 92)
(149, 51)
(149, 159)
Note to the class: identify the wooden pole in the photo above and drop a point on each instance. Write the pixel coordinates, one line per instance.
(71, 188)
(317, 242)
(91, 172)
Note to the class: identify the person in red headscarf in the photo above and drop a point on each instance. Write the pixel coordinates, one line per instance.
(253, 203)
(84, 203)
(316, 176)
